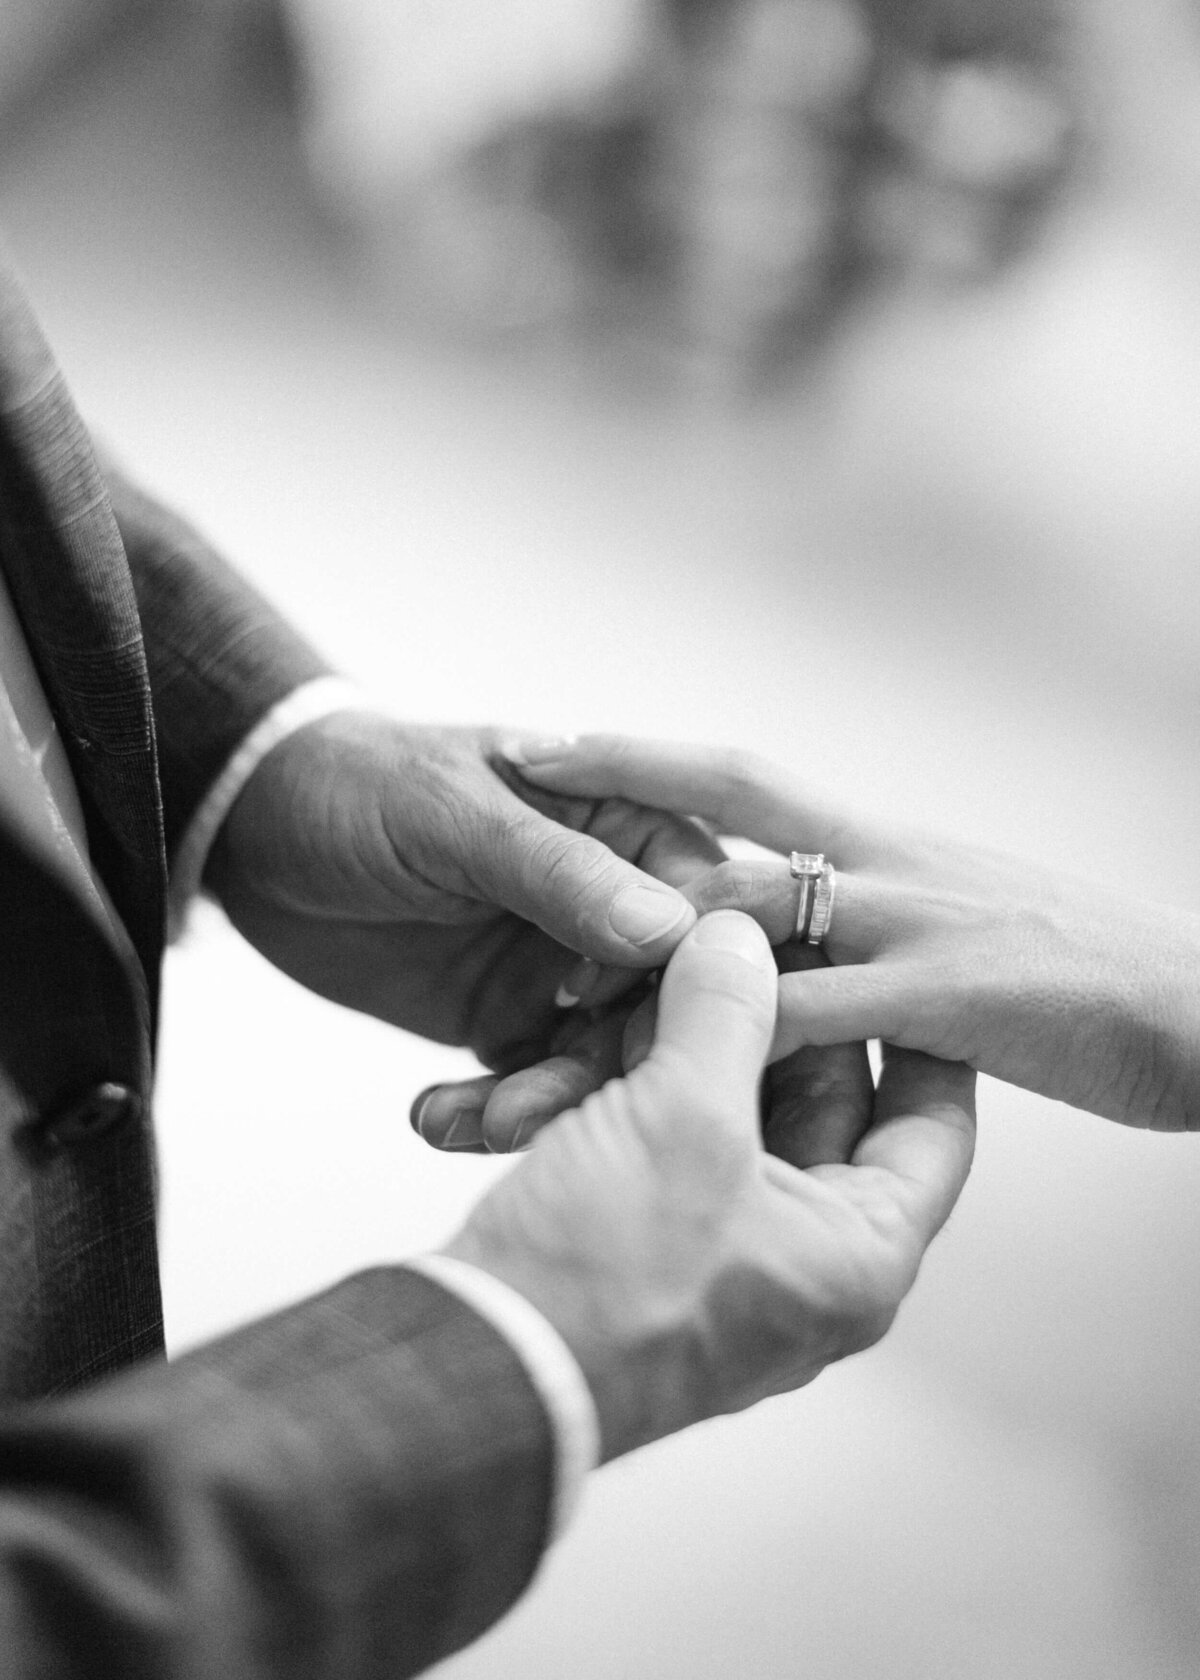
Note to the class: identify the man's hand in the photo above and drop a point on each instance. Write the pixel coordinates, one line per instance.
(394, 870)
(690, 1272)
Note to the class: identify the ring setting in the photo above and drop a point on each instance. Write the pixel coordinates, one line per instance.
(818, 884)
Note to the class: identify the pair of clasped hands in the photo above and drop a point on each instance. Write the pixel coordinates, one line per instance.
(721, 1199)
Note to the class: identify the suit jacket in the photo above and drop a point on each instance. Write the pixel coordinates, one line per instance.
(354, 1487)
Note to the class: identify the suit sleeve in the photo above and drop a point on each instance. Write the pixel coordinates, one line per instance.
(219, 655)
(351, 1490)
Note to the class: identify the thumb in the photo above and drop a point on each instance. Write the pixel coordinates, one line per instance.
(716, 1017)
(581, 893)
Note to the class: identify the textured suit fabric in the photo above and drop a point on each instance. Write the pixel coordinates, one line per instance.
(219, 656)
(354, 1487)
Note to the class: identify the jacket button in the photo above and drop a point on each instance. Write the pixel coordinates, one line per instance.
(90, 1116)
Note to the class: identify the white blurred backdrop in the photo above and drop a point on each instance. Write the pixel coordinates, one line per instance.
(947, 566)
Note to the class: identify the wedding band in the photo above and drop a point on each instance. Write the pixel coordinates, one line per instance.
(822, 908)
(805, 867)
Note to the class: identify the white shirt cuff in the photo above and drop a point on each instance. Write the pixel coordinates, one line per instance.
(306, 704)
(552, 1368)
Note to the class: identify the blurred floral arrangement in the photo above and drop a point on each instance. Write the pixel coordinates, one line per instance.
(728, 175)
(724, 178)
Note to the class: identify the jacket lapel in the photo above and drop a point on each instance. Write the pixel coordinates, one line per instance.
(70, 582)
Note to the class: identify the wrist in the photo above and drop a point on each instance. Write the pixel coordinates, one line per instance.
(641, 1366)
(204, 851)
(287, 770)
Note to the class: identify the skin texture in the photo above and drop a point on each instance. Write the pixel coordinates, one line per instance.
(936, 946)
(690, 1271)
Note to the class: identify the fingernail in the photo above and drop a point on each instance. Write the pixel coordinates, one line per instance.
(643, 914)
(468, 1111)
(417, 1114)
(733, 933)
(536, 749)
(579, 984)
(452, 1121)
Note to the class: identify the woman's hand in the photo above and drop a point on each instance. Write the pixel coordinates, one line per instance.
(1077, 991)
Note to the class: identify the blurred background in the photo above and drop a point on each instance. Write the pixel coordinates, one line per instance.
(818, 375)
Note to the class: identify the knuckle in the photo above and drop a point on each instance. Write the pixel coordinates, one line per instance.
(559, 861)
(891, 1224)
(887, 907)
(869, 1313)
(729, 886)
(868, 1327)
(558, 854)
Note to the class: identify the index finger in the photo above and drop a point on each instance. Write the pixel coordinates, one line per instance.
(739, 793)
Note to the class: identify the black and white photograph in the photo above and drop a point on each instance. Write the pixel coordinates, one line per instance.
(599, 802)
